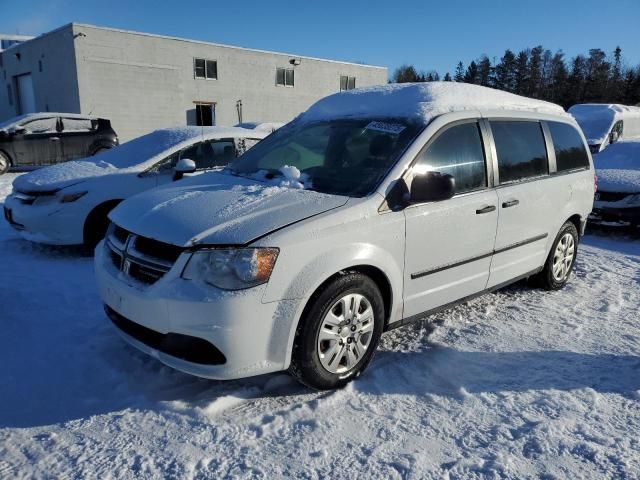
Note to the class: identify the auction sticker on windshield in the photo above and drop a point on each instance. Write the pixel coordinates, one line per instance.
(391, 128)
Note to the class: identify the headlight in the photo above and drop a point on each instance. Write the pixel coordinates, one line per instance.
(232, 268)
(72, 197)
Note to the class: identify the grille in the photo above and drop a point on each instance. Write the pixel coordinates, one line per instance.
(610, 196)
(142, 259)
(185, 347)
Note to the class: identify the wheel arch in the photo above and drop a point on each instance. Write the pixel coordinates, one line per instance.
(6, 154)
(98, 211)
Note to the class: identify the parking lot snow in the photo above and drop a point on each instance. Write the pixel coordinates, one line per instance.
(519, 383)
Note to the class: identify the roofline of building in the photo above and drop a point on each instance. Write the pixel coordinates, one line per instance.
(7, 36)
(168, 37)
(200, 42)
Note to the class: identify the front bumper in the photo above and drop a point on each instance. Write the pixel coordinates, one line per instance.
(250, 336)
(51, 223)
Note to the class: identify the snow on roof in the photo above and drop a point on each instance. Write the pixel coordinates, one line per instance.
(596, 120)
(265, 126)
(36, 116)
(164, 142)
(421, 101)
(618, 167)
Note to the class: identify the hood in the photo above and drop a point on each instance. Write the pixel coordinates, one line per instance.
(218, 209)
(618, 181)
(62, 175)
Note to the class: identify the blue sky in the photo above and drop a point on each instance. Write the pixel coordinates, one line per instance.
(430, 35)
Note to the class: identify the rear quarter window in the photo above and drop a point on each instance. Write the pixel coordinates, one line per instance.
(571, 153)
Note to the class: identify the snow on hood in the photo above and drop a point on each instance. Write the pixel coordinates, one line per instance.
(596, 120)
(62, 175)
(218, 208)
(618, 167)
(421, 101)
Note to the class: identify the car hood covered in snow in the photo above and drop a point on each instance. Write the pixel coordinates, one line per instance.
(217, 209)
(618, 167)
(63, 175)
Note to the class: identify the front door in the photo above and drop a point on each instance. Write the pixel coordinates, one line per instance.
(39, 143)
(449, 244)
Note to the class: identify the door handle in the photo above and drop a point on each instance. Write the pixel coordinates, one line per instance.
(487, 209)
(55, 139)
(510, 203)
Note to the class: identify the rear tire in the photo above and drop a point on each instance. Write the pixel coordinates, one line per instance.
(338, 333)
(562, 257)
(5, 163)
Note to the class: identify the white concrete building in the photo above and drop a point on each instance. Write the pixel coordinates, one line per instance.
(143, 82)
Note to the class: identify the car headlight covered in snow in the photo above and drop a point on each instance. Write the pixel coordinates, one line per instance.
(232, 268)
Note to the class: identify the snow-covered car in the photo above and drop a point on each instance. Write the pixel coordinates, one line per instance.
(371, 208)
(617, 201)
(38, 139)
(68, 204)
(604, 124)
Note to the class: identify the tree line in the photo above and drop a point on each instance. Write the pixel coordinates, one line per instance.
(538, 73)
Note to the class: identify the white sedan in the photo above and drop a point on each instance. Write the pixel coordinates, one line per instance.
(68, 204)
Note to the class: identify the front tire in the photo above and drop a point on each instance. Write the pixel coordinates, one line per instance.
(561, 259)
(5, 163)
(339, 332)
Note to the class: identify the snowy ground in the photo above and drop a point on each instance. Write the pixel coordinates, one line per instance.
(519, 383)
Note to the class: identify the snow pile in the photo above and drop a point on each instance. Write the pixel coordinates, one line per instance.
(618, 167)
(268, 127)
(420, 101)
(597, 119)
(291, 177)
(7, 124)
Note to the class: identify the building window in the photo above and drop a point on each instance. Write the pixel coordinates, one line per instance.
(284, 77)
(10, 94)
(205, 69)
(205, 115)
(347, 83)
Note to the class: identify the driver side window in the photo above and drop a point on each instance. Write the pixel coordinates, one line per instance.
(458, 152)
(42, 125)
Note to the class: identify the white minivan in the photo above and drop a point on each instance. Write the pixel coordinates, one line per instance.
(373, 208)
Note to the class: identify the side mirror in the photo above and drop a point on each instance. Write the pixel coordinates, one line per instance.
(432, 187)
(17, 130)
(183, 166)
(614, 136)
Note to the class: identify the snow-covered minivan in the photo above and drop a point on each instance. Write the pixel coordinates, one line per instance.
(68, 204)
(371, 209)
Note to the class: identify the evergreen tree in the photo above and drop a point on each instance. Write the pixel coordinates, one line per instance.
(459, 75)
(522, 72)
(505, 72)
(406, 73)
(485, 72)
(534, 80)
(471, 75)
(447, 77)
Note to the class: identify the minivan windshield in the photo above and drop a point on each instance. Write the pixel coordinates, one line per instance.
(344, 157)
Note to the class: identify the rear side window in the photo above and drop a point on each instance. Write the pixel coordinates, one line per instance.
(521, 150)
(569, 148)
(76, 125)
(457, 151)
